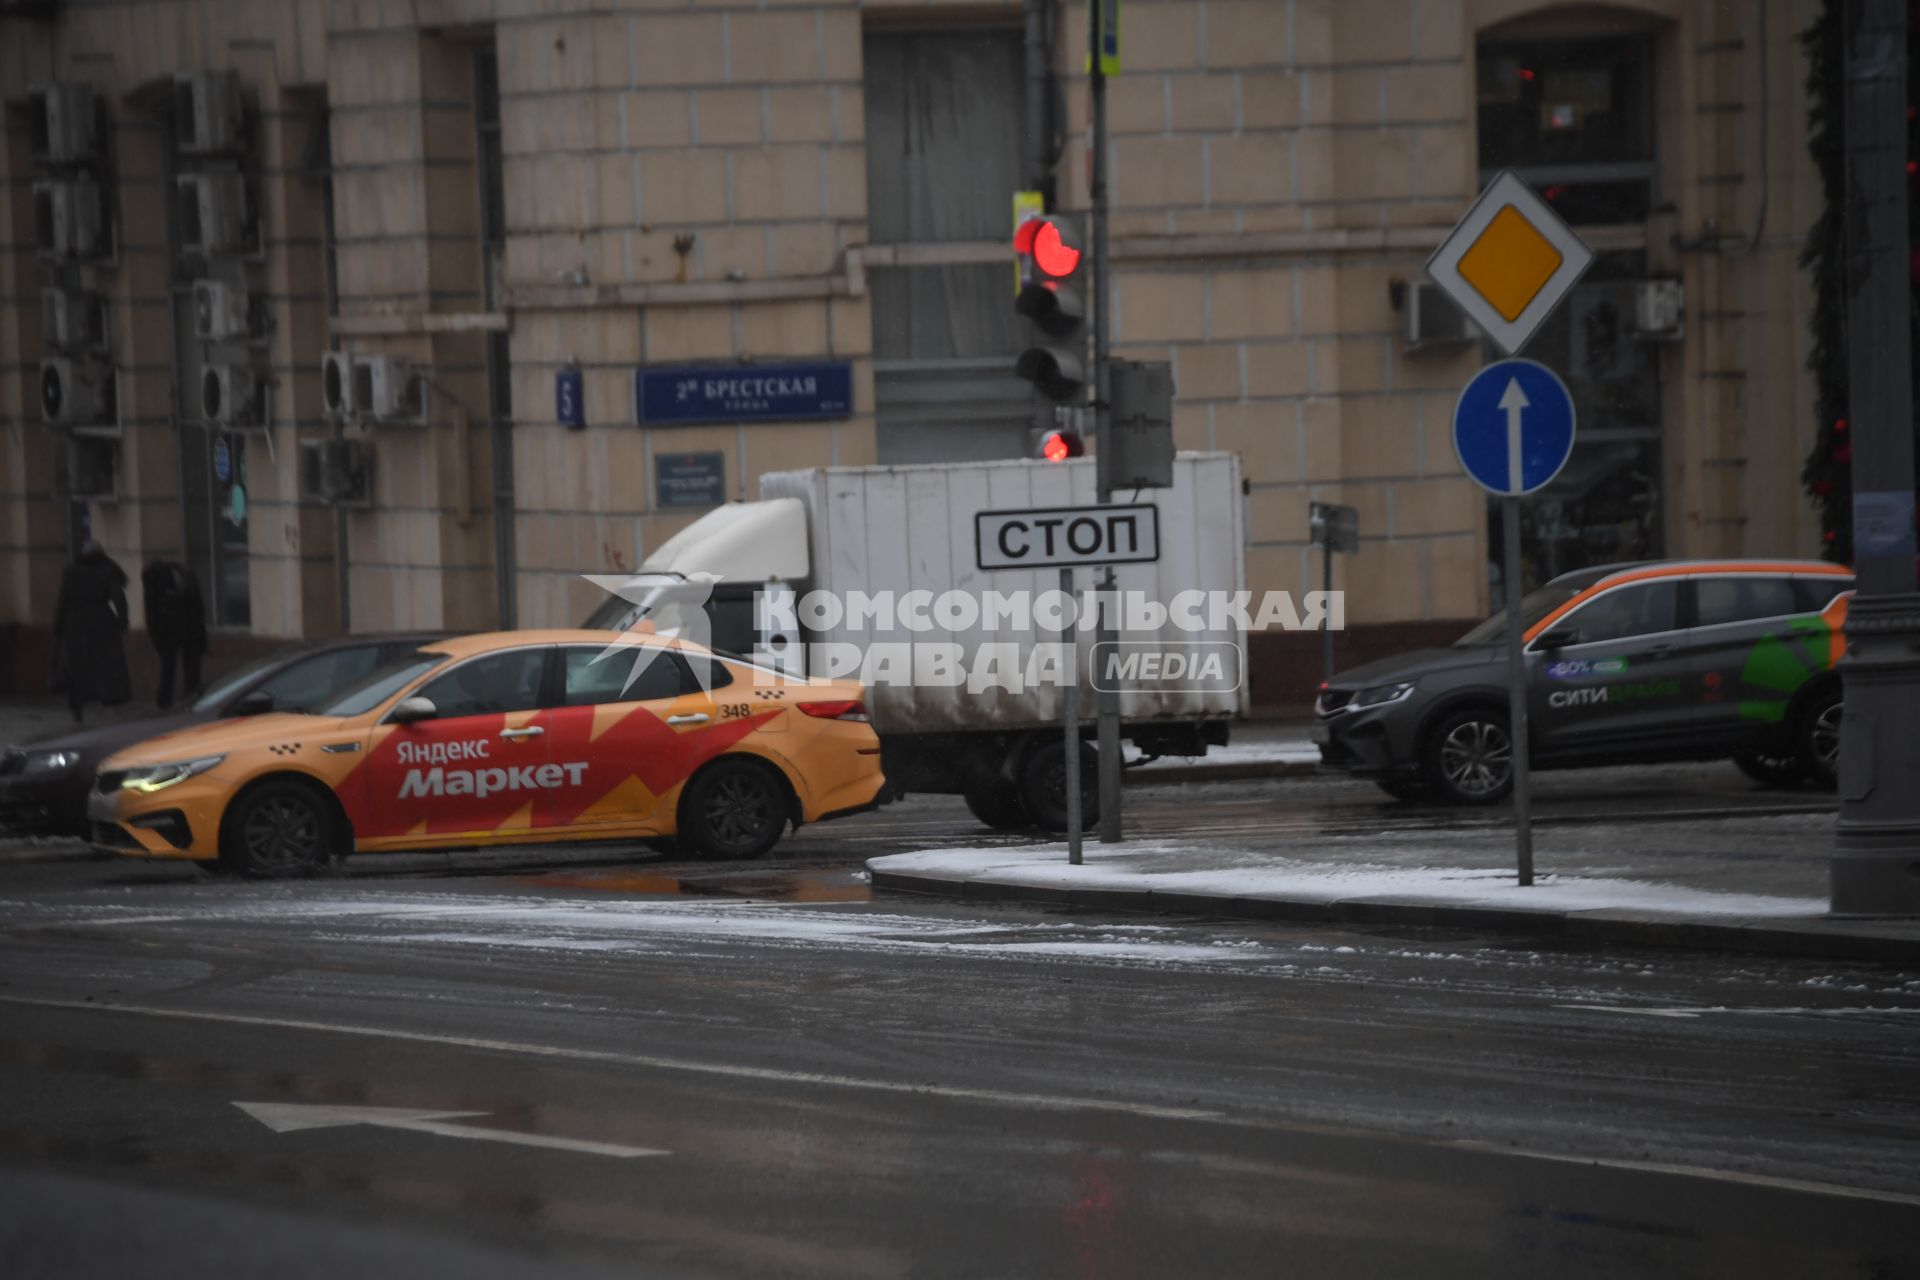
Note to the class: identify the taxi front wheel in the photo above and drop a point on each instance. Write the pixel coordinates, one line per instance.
(277, 829)
(733, 811)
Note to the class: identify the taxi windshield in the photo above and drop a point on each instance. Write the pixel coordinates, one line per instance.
(381, 683)
(1536, 605)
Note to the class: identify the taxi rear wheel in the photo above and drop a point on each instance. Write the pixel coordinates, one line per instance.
(277, 829)
(733, 811)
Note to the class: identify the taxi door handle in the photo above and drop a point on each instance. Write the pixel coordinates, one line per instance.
(533, 732)
(696, 717)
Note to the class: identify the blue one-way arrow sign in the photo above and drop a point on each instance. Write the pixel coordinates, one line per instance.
(1513, 427)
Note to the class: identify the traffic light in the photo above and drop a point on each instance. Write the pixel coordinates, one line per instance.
(1060, 444)
(1049, 259)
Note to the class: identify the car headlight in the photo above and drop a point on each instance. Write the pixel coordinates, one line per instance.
(1381, 694)
(50, 761)
(157, 777)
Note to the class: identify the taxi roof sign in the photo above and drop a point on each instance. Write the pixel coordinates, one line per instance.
(1509, 262)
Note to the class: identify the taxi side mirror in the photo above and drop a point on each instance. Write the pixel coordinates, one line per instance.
(257, 703)
(1557, 638)
(408, 710)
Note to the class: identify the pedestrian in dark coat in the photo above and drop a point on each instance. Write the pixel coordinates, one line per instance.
(176, 623)
(88, 619)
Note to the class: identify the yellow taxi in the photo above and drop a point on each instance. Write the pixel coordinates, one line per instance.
(506, 738)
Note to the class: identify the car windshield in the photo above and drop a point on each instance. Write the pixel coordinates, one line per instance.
(382, 683)
(240, 677)
(1536, 605)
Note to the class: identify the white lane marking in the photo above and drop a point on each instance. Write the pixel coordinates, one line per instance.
(1036, 1101)
(1695, 1171)
(1650, 1011)
(293, 1117)
(1028, 1100)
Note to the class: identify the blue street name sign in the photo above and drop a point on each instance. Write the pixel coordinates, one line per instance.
(744, 393)
(569, 399)
(1513, 427)
(690, 479)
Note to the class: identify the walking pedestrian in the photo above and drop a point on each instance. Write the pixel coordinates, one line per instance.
(90, 660)
(176, 623)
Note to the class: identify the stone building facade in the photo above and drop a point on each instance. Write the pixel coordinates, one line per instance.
(504, 191)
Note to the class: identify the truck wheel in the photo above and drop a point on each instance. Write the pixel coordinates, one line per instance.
(276, 830)
(1043, 786)
(997, 804)
(1817, 739)
(1469, 757)
(733, 811)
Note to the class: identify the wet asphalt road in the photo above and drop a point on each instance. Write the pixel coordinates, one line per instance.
(841, 1087)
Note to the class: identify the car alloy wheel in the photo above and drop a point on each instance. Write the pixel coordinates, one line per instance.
(280, 829)
(1476, 759)
(734, 810)
(1820, 740)
(738, 809)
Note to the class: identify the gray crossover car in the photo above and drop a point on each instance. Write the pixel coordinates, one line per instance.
(1634, 663)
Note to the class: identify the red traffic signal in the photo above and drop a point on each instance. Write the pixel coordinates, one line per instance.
(1060, 445)
(1042, 240)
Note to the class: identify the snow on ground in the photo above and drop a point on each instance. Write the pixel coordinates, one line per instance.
(1258, 751)
(1190, 867)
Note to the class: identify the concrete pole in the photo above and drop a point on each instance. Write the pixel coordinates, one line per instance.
(1107, 698)
(1876, 847)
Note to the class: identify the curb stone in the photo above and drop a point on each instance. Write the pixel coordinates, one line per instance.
(1803, 937)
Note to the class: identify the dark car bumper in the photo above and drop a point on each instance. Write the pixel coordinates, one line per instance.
(44, 806)
(1371, 742)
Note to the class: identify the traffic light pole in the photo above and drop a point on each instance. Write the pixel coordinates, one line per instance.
(1876, 844)
(1107, 698)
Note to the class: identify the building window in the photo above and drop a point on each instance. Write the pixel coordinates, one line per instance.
(944, 124)
(1575, 118)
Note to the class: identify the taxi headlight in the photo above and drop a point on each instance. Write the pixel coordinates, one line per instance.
(157, 777)
(50, 761)
(1381, 694)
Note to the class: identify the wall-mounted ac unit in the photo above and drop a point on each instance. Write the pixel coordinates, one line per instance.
(73, 320)
(1432, 318)
(93, 468)
(220, 310)
(1659, 311)
(336, 386)
(389, 389)
(207, 112)
(69, 222)
(65, 124)
(77, 393)
(232, 395)
(214, 213)
(336, 471)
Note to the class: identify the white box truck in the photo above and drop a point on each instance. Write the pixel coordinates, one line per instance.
(834, 561)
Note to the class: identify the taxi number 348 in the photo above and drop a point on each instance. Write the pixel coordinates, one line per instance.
(735, 710)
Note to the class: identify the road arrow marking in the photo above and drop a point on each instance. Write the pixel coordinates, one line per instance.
(1513, 400)
(291, 1117)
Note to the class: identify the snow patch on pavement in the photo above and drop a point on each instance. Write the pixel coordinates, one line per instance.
(1189, 867)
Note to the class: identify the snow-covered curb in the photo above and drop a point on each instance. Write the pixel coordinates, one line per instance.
(1194, 869)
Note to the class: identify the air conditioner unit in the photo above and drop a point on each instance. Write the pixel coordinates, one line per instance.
(68, 220)
(336, 386)
(389, 389)
(220, 310)
(214, 213)
(93, 468)
(65, 123)
(232, 395)
(1432, 318)
(339, 471)
(207, 111)
(73, 320)
(76, 393)
(1659, 311)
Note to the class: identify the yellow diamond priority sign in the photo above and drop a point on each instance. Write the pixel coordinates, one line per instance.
(1509, 262)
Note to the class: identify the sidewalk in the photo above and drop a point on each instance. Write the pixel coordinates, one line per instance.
(1259, 749)
(1750, 883)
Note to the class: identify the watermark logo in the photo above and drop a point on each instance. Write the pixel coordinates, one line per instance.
(664, 606)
